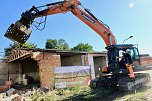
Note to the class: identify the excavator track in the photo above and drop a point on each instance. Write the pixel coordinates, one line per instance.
(129, 84)
(124, 83)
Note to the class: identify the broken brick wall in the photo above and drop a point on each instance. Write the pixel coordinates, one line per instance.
(47, 62)
(9, 71)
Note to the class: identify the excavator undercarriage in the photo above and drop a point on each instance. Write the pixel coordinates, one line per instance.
(129, 84)
(124, 83)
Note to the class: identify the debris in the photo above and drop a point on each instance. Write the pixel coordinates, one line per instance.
(11, 91)
(8, 83)
(12, 98)
(1, 97)
(6, 86)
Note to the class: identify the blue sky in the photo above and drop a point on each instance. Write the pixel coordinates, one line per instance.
(125, 18)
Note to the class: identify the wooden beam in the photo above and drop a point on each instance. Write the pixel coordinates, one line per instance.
(18, 54)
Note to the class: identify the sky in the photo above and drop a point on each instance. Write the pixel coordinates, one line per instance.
(124, 17)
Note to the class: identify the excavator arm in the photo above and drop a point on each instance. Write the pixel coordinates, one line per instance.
(20, 31)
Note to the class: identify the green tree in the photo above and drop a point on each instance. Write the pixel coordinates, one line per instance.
(27, 45)
(56, 44)
(13, 46)
(51, 44)
(83, 47)
(62, 45)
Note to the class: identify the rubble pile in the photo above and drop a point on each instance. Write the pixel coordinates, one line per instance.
(18, 94)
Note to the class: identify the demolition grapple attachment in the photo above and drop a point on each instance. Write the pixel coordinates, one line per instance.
(18, 32)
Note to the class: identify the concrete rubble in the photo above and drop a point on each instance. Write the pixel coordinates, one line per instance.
(17, 94)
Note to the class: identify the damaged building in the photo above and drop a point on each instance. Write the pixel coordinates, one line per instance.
(44, 67)
(36, 66)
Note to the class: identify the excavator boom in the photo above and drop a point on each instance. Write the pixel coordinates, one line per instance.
(20, 31)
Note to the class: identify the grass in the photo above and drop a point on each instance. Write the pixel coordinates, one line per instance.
(60, 94)
(86, 94)
(71, 94)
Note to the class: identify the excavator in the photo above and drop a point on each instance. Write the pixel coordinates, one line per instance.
(113, 74)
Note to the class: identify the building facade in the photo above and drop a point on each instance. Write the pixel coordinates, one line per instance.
(36, 66)
(39, 64)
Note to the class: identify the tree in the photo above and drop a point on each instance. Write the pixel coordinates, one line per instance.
(83, 47)
(13, 46)
(27, 45)
(62, 45)
(56, 44)
(51, 44)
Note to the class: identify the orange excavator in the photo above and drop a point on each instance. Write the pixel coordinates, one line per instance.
(114, 74)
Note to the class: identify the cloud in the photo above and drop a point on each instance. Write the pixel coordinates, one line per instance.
(131, 5)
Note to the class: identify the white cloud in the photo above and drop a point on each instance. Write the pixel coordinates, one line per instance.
(131, 5)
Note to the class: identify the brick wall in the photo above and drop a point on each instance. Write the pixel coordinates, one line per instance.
(47, 62)
(3, 72)
(75, 60)
(13, 70)
(146, 61)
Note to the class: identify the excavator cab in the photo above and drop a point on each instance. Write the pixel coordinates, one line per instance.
(114, 56)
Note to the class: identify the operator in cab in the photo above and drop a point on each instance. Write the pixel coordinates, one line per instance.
(128, 62)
